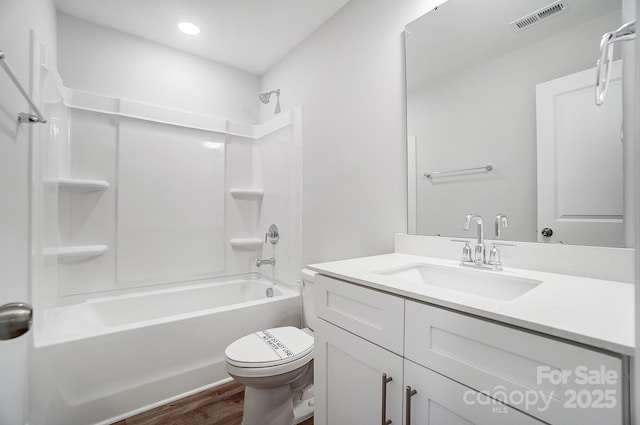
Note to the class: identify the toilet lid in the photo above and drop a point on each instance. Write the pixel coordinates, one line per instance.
(271, 347)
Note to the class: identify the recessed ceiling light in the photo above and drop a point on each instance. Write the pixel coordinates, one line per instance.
(188, 27)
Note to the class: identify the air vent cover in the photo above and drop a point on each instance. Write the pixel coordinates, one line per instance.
(539, 15)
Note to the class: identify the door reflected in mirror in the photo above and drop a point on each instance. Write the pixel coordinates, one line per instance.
(501, 119)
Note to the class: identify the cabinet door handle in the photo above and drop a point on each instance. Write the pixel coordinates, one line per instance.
(409, 393)
(385, 381)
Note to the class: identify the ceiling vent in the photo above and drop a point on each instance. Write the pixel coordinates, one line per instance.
(539, 15)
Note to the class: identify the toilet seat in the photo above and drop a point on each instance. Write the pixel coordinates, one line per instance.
(270, 352)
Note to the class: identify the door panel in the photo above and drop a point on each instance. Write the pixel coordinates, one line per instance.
(22, 48)
(348, 379)
(580, 173)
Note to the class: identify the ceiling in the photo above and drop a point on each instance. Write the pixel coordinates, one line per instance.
(248, 34)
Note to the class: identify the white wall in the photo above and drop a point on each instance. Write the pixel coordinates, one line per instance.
(17, 18)
(277, 170)
(349, 76)
(100, 60)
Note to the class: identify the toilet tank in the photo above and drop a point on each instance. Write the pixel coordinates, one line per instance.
(308, 302)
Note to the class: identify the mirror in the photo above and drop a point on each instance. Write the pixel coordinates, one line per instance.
(501, 119)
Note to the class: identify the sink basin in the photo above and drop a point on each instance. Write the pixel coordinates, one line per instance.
(477, 282)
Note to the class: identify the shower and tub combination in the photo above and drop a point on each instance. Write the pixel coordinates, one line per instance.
(148, 223)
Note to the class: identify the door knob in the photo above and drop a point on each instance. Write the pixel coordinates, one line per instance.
(15, 320)
(547, 232)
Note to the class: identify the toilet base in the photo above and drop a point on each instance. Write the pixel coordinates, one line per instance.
(275, 406)
(272, 406)
(302, 410)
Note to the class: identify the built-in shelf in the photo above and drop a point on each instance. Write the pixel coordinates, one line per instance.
(81, 185)
(72, 253)
(246, 243)
(247, 193)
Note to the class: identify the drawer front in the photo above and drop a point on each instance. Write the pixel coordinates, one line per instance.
(560, 383)
(441, 401)
(370, 314)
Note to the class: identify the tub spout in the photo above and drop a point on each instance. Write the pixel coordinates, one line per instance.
(271, 261)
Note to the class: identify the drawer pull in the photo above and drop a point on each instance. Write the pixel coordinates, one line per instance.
(409, 393)
(385, 381)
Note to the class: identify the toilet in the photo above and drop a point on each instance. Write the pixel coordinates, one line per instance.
(276, 367)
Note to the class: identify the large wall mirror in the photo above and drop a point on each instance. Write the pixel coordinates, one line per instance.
(501, 119)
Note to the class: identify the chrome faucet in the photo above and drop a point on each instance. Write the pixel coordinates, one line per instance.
(480, 249)
(273, 236)
(271, 261)
(479, 257)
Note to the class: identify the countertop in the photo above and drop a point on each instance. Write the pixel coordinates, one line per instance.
(594, 312)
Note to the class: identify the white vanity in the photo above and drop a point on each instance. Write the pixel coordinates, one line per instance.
(397, 345)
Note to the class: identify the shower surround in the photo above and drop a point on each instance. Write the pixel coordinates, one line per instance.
(147, 224)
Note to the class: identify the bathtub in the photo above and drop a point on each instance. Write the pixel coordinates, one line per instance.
(108, 358)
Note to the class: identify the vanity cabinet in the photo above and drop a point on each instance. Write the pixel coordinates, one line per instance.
(464, 370)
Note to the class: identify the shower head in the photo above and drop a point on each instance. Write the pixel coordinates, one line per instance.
(266, 97)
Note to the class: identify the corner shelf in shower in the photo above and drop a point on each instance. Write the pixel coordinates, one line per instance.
(247, 193)
(246, 243)
(81, 185)
(80, 252)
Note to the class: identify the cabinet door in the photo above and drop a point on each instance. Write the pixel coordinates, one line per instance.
(441, 401)
(349, 379)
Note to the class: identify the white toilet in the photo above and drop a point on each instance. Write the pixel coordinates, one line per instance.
(276, 368)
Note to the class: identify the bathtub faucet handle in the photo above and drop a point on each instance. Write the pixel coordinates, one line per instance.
(272, 235)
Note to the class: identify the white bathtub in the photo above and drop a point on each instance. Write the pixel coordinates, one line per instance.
(108, 358)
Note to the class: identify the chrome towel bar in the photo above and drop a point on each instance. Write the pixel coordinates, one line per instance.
(625, 33)
(23, 117)
(484, 168)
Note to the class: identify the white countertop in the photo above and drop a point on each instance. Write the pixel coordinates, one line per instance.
(595, 312)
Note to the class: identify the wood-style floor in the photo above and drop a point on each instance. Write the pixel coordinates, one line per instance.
(217, 406)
